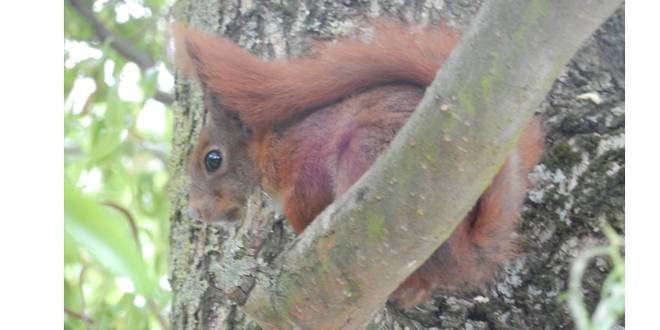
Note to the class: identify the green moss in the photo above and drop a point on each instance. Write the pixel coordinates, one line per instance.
(525, 244)
(375, 228)
(601, 193)
(352, 288)
(324, 252)
(531, 14)
(519, 35)
(428, 157)
(563, 228)
(536, 9)
(288, 13)
(448, 122)
(293, 289)
(486, 83)
(562, 156)
(493, 76)
(589, 143)
(267, 313)
(552, 76)
(614, 156)
(323, 274)
(372, 326)
(411, 167)
(468, 104)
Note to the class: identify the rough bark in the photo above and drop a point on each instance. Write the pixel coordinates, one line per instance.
(562, 215)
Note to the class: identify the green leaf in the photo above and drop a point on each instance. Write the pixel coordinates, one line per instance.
(107, 236)
(70, 76)
(107, 137)
(70, 250)
(71, 296)
(149, 82)
(133, 317)
(108, 140)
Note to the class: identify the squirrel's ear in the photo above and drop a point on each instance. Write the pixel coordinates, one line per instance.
(188, 55)
(214, 60)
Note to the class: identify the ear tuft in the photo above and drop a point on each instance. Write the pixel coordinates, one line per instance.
(197, 53)
(214, 60)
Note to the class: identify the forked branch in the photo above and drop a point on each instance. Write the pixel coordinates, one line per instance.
(350, 259)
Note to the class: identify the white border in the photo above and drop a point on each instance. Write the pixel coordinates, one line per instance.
(642, 164)
(31, 158)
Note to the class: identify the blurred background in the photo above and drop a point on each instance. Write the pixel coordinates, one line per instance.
(117, 130)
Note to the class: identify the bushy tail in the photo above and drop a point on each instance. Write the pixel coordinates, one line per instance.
(482, 241)
(268, 93)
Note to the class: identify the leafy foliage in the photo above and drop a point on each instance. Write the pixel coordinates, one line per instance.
(116, 140)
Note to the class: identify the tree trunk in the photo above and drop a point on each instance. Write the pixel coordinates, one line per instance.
(579, 183)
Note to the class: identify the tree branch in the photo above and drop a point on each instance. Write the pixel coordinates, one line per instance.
(121, 45)
(79, 316)
(164, 97)
(349, 260)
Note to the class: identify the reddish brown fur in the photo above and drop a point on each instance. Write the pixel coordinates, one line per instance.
(269, 93)
(471, 256)
(317, 124)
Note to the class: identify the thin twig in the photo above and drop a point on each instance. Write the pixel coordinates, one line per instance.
(81, 279)
(156, 310)
(129, 217)
(164, 97)
(155, 149)
(78, 316)
(121, 45)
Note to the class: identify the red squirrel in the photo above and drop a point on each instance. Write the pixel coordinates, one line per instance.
(306, 129)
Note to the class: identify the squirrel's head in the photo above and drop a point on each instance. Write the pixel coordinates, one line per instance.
(221, 167)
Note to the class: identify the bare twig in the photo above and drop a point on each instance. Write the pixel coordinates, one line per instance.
(78, 316)
(153, 306)
(157, 150)
(155, 309)
(81, 279)
(121, 45)
(164, 97)
(129, 218)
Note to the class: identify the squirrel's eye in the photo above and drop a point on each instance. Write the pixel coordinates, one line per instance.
(213, 160)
